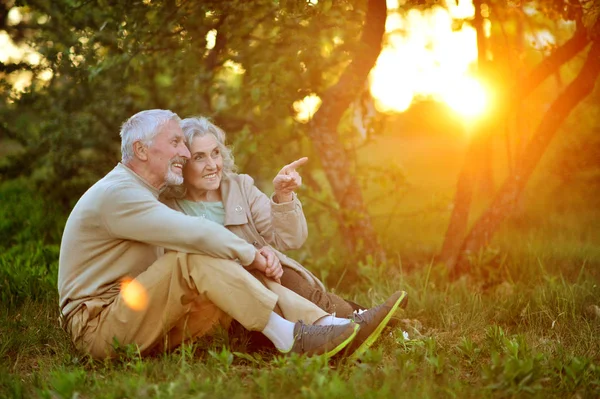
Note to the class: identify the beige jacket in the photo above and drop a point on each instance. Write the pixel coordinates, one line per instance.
(118, 229)
(256, 218)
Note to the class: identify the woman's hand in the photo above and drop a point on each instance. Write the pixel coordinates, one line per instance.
(287, 180)
(273, 269)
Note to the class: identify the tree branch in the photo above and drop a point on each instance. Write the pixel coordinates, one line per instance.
(20, 66)
(551, 64)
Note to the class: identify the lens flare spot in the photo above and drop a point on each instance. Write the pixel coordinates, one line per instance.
(134, 295)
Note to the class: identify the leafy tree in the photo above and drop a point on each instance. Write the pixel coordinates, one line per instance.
(242, 63)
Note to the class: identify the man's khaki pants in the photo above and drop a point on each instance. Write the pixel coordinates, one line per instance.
(187, 296)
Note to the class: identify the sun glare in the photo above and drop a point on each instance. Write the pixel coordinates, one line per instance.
(429, 55)
(306, 108)
(467, 97)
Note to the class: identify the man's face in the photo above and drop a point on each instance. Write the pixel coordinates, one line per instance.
(167, 155)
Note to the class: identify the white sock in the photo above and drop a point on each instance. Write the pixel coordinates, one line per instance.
(331, 319)
(280, 331)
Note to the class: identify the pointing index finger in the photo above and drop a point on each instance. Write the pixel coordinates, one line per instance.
(296, 164)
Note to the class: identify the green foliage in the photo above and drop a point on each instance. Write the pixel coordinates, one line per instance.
(64, 383)
(223, 359)
(591, 17)
(25, 216)
(468, 349)
(11, 385)
(111, 60)
(28, 272)
(29, 236)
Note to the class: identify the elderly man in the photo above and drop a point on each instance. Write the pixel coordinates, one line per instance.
(116, 286)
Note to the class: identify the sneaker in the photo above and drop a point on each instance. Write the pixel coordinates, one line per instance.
(373, 321)
(322, 340)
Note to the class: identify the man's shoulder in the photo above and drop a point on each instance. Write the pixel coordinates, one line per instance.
(119, 178)
(117, 181)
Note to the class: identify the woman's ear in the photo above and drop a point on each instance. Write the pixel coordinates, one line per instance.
(140, 150)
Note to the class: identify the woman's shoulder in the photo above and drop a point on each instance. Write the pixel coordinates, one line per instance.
(241, 179)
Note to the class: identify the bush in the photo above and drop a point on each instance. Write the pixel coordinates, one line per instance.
(29, 244)
(28, 271)
(25, 216)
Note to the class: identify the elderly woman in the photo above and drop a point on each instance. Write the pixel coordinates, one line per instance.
(212, 190)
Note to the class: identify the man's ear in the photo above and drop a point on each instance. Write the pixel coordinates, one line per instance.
(140, 150)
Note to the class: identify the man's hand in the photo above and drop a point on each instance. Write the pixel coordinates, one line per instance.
(274, 269)
(287, 180)
(259, 263)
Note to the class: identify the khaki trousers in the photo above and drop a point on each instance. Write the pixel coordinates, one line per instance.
(187, 296)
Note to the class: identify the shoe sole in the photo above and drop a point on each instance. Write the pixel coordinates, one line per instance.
(332, 352)
(343, 344)
(402, 300)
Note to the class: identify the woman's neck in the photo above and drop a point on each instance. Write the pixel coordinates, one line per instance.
(203, 195)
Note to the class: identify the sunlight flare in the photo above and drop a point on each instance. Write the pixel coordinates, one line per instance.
(430, 54)
(466, 96)
(306, 108)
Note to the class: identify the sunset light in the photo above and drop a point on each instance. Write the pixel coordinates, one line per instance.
(429, 54)
(466, 96)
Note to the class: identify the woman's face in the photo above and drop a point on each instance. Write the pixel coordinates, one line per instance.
(203, 171)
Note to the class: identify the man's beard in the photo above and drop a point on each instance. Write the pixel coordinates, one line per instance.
(172, 178)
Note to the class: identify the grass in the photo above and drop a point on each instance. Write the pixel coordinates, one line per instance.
(531, 336)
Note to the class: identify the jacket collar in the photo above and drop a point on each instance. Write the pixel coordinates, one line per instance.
(233, 201)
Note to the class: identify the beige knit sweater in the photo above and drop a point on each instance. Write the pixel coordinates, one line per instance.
(117, 230)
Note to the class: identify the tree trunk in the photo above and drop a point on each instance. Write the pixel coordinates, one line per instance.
(471, 171)
(560, 109)
(457, 227)
(355, 223)
(483, 164)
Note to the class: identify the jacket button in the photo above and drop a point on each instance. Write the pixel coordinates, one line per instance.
(238, 209)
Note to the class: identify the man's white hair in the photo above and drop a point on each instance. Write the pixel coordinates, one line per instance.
(143, 126)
